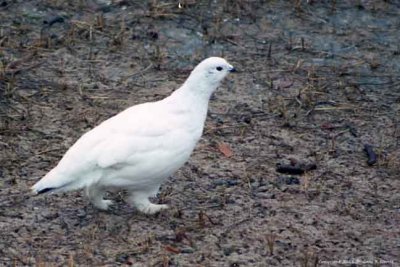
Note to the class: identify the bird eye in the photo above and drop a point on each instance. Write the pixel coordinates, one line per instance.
(219, 68)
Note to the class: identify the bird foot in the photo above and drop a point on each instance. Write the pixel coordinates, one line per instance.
(103, 204)
(151, 208)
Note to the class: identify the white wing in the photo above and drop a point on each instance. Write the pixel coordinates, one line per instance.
(128, 135)
(138, 129)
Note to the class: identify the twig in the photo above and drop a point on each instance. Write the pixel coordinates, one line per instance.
(140, 72)
(234, 225)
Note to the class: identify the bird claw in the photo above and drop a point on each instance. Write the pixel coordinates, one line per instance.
(151, 208)
(103, 204)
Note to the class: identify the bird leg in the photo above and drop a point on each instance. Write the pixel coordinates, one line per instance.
(142, 203)
(96, 197)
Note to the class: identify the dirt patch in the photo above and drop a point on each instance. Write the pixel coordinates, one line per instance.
(316, 82)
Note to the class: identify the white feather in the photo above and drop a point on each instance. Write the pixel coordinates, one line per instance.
(140, 147)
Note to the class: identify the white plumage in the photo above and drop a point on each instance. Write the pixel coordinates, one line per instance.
(140, 147)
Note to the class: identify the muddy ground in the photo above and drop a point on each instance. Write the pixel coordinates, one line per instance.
(317, 81)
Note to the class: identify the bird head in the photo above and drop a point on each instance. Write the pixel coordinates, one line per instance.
(210, 72)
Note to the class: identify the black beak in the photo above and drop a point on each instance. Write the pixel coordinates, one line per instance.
(232, 69)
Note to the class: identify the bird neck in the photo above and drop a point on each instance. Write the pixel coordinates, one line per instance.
(191, 98)
(195, 87)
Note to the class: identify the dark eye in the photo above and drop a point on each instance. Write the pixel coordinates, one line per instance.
(219, 68)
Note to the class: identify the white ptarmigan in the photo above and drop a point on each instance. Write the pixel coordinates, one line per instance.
(139, 148)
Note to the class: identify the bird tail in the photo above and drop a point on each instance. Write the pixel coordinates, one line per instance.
(51, 182)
